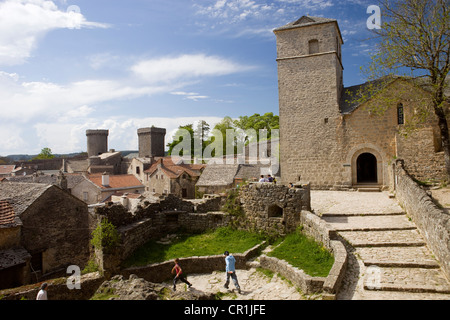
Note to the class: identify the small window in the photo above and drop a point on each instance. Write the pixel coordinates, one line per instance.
(85, 196)
(313, 46)
(275, 211)
(400, 114)
(138, 170)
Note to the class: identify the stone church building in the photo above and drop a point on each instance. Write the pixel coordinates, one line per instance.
(329, 139)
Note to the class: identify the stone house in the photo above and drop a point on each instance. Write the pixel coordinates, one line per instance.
(167, 176)
(98, 188)
(50, 231)
(329, 139)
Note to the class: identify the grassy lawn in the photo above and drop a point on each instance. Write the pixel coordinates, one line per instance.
(304, 253)
(210, 243)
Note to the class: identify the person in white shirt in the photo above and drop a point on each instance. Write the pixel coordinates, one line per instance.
(262, 179)
(42, 294)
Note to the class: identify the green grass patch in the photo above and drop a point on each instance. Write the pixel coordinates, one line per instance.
(305, 253)
(209, 243)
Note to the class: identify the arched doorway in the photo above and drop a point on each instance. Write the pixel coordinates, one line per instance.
(366, 165)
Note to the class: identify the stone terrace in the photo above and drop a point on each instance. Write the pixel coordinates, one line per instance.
(390, 259)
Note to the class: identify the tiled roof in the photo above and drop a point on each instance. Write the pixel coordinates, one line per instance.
(7, 215)
(13, 257)
(72, 179)
(173, 169)
(6, 169)
(218, 175)
(21, 195)
(116, 181)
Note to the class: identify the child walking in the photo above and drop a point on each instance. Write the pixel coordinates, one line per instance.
(178, 275)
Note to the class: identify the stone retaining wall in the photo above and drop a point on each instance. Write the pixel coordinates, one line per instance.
(318, 229)
(57, 289)
(160, 272)
(432, 221)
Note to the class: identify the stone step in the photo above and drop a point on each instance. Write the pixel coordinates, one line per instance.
(362, 214)
(369, 223)
(418, 280)
(369, 189)
(406, 257)
(387, 238)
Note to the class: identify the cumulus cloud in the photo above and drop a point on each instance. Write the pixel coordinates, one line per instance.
(24, 22)
(185, 67)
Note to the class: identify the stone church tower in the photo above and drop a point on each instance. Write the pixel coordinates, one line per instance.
(331, 139)
(310, 79)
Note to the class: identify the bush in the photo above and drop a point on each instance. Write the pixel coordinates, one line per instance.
(105, 236)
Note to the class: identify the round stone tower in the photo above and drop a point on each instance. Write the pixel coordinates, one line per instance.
(97, 142)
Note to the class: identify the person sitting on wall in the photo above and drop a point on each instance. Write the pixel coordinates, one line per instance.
(262, 179)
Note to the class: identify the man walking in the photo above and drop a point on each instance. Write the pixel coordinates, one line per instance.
(230, 262)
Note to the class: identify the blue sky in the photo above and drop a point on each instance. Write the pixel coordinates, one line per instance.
(71, 65)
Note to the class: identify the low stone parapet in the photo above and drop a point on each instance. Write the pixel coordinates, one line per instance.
(308, 284)
(160, 272)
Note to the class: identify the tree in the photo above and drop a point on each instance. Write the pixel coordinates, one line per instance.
(415, 37)
(268, 121)
(185, 135)
(46, 153)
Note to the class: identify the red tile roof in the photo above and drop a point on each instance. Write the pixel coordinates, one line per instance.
(116, 181)
(6, 169)
(174, 170)
(7, 214)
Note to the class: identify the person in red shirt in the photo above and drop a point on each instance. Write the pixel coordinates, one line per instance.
(178, 275)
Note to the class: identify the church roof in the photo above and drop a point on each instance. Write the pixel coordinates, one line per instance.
(305, 21)
(351, 96)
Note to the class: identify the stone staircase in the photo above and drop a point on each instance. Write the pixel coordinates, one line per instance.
(392, 260)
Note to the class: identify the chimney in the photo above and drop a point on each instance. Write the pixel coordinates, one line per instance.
(105, 179)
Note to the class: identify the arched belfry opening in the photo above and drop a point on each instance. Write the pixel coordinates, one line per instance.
(366, 165)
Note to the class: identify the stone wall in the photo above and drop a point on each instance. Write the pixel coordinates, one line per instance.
(160, 272)
(309, 285)
(274, 207)
(57, 289)
(57, 226)
(432, 221)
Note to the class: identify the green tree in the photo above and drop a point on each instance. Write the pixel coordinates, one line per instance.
(414, 41)
(46, 153)
(185, 135)
(268, 121)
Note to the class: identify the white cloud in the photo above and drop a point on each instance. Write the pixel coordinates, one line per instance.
(70, 136)
(24, 22)
(185, 67)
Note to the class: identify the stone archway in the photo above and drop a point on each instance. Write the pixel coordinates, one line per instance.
(367, 165)
(366, 168)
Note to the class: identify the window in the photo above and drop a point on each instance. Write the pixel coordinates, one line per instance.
(400, 114)
(85, 196)
(138, 170)
(313, 46)
(275, 211)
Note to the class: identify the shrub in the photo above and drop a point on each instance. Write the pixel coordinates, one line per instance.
(105, 236)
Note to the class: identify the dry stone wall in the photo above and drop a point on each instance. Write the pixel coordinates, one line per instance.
(432, 221)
